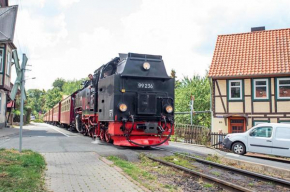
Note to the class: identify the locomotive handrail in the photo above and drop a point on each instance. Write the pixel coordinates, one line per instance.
(151, 77)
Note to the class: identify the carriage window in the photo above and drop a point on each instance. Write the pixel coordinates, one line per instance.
(283, 88)
(261, 89)
(261, 132)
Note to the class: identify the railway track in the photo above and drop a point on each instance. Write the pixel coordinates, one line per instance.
(231, 186)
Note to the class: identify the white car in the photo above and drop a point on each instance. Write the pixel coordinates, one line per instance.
(266, 138)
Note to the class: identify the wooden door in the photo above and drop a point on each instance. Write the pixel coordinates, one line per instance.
(237, 125)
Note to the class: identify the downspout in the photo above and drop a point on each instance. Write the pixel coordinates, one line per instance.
(211, 112)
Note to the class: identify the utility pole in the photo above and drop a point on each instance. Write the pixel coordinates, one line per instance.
(19, 83)
(22, 87)
(21, 106)
(191, 108)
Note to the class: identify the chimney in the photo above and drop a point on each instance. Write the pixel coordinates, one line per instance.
(258, 29)
(3, 3)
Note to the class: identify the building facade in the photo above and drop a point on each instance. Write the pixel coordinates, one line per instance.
(7, 27)
(250, 75)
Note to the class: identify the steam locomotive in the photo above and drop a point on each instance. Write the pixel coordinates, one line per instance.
(129, 102)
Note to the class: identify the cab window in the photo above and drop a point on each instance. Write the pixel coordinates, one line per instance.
(261, 132)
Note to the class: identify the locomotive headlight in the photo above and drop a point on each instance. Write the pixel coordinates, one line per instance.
(169, 109)
(146, 66)
(123, 107)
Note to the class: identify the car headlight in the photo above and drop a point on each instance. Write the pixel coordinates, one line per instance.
(146, 66)
(169, 109)
(123, 107)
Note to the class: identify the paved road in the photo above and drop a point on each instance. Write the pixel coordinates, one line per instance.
(46, 138)
(73, 161)
(50, 139)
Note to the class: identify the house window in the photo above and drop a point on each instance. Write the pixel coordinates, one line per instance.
(261, 89)
(8, 63)
(1, 59)
(235, 90)
(283, 88)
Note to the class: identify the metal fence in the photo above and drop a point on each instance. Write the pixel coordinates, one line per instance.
(217, 140)
(200, 135)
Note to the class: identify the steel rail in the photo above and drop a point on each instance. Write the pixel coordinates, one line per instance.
(222, 183)
(282, 182)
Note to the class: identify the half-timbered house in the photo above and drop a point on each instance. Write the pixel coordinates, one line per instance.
(250, 74)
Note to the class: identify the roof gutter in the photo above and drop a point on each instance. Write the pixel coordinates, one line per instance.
(250, 76)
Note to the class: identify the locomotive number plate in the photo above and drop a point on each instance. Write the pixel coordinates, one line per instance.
(145, 85)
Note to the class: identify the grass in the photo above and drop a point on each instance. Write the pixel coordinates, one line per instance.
(178, 160)
(150, 174)
(134, 171)
(213, 158)
(216, 173)
(208, 185)
(251, 184)
(21, 172)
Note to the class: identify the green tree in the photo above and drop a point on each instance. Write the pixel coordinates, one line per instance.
(199, 87)
(36, 100)
(71, 86)
(52, 97)
(58, 83)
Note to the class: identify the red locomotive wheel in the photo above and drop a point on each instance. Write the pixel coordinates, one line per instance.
(102, 135)
(108, 137)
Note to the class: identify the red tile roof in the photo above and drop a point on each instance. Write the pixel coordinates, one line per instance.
(252, 54)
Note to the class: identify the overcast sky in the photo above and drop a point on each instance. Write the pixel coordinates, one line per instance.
(72, 38)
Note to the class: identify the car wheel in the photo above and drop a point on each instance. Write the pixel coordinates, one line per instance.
(239, 148)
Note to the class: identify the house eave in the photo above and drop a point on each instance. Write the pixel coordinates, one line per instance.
(250, 76)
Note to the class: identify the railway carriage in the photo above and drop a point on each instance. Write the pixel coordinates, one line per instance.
(56, 114)
(50, 116)
(67, 117)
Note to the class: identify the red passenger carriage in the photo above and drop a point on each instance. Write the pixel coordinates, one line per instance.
(56, 114)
